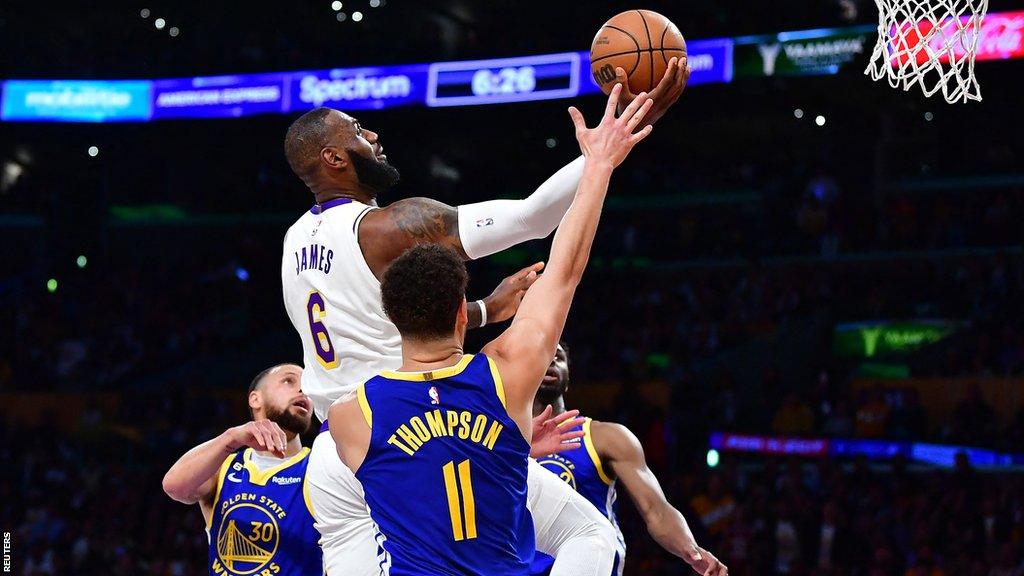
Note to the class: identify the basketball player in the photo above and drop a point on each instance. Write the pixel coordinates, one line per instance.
(250, 484)
(441, 445)
(334, 257)
(613, 454)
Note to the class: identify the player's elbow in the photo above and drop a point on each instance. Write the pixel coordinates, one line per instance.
(176, 490)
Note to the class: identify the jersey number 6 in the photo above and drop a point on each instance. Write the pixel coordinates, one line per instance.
(316, 312)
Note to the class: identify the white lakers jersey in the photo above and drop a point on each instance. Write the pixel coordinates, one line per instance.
(333, 300)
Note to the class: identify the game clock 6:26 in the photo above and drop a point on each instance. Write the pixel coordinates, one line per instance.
(503, 80)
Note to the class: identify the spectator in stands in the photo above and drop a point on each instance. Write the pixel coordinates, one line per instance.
(974, 421)
(794, 417)
(873, 415)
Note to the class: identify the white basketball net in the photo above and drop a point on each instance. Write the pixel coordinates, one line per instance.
(931, 43)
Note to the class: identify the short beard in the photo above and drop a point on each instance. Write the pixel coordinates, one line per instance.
(374, 174)
(287, 420)
(549, 394)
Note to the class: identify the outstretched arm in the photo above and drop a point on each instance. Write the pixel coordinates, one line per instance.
(620, 450)
(523, 352)
(193, 477)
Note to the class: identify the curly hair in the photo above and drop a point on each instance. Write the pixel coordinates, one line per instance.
(422, 291)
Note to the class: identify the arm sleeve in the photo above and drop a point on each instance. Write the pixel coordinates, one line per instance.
(492, 226)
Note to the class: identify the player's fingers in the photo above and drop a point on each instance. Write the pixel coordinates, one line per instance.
(613, 103)
(574, 423)
(543, 416)
(631, 110)
(669, 79)
(571, 436)
(621, 78)
(557, 420)
(577, 119)
(635, 120)
(639, 136)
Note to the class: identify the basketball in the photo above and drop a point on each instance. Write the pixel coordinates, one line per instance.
(641, 42)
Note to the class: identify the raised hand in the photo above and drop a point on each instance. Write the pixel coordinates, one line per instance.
(665, 94)
(504, 301)
(612, 139)
(263, 435)
(553, 435)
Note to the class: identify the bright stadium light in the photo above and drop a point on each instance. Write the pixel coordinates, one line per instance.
(798, 113)
(819, 120)
(357, 16)
(551, 142)
(159, 23)
(81, 261)
(341, 16)
(713, 458)
(144, 13)
(336, 5)
(242, 274)
(174, 31)
(928, 116)
(94, 151)
(51, 285)
(374, 3)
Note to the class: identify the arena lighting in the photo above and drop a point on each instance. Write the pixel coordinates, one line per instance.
(551, 142)
(357, 16)
(336, 6)
(94, 151)
(81, 261)
(242, 274)
(374, 3)
(713, 458)
(144, 13)
(51, 285)
(798, 113)
(928, 116)
(341, 16)
(173, 31)
(159, 23)
(819, 120)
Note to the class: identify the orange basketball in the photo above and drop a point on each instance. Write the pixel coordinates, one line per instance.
(641, 42)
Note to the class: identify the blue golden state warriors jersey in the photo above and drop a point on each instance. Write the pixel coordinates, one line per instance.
(445, 473)
(581, 469)
(262, 524)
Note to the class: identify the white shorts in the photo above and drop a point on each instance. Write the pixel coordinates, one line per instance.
(347, 531)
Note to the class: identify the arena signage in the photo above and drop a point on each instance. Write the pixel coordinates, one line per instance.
(941, 455)
(871, 339)
(75, 100)
(801, 53)
(549, 76)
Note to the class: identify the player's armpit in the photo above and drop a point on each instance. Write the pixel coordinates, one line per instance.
(384, 234)
(350, 426)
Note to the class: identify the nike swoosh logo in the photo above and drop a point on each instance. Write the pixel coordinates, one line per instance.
(233, 478)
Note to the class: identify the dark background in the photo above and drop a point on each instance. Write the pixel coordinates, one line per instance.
(734, 240)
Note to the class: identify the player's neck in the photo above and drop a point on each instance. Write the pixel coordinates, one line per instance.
(420, 356)
(557, 406)
(333, 192)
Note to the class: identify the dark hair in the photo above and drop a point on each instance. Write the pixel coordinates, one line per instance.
(305, 138)
(422, 291)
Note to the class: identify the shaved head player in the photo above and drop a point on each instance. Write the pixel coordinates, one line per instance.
(334, 257)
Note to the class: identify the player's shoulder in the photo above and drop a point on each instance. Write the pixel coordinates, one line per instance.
(612, 438)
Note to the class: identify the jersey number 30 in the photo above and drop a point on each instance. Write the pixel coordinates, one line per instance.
(461, 530)
(316, 311)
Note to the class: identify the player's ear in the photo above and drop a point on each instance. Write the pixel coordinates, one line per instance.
(255, 400)
(462, 319)
(334, 157)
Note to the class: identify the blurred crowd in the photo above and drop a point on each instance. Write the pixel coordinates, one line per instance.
(89, 502)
